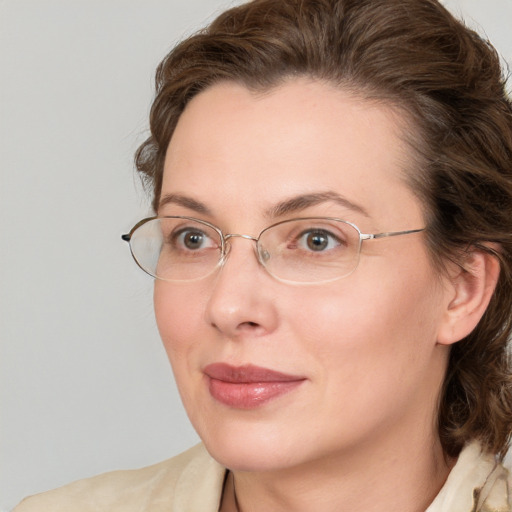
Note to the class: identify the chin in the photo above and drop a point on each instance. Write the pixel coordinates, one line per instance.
(252, 451)
(252, 459)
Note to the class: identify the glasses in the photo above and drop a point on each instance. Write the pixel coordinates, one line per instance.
(307, 250)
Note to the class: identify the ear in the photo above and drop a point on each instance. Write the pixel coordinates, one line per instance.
(470, 289)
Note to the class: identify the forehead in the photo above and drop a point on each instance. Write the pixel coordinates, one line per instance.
(238, 150)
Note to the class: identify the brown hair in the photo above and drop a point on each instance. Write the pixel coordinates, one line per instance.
(414, 55)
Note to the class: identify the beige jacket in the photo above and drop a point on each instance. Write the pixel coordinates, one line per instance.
(192, 482)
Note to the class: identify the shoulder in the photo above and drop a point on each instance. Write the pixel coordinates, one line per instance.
(477, 483)
(186, 481)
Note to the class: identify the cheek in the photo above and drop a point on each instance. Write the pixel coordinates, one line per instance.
(372, 357)
(371, 329)
(178, 311)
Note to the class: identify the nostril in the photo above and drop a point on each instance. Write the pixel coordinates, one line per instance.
(248, 326)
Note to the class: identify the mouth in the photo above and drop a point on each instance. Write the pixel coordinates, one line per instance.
(248, 386)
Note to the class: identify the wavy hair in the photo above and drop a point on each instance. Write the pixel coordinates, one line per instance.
(448, 81)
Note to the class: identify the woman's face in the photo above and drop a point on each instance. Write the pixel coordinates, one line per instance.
(273, 374)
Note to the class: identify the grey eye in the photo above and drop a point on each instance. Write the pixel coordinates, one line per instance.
(318, 240)
(192, 239)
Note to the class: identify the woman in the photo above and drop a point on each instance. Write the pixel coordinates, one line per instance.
(332, 248)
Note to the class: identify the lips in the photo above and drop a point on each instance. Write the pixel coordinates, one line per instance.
(248, 386)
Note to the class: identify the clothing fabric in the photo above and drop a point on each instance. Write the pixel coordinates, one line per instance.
(193, 481)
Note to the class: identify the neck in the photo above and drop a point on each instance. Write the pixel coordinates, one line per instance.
(406, 480)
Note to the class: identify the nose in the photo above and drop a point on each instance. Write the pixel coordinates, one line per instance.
(242, 301)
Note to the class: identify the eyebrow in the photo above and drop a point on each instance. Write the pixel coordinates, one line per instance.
(301, 202)
(292, 205)
(186, 202)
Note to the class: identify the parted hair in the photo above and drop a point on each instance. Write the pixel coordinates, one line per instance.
(448, 82)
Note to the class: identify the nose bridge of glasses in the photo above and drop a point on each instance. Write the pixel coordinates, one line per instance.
(237, 235)
(261, 257)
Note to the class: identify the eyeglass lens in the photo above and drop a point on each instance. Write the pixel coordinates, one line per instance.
(299, 250)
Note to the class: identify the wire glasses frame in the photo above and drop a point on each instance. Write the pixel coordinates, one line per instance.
(306, 250)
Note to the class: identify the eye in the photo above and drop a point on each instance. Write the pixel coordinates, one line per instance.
(318, 240)
(192, 239)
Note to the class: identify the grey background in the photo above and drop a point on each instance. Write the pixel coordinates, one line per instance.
(85, 385)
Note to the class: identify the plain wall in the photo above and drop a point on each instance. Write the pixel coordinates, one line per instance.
(85, 384)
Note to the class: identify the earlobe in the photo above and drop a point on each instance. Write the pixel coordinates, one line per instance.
(470, 290)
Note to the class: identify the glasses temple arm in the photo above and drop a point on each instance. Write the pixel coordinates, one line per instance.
(367, 236)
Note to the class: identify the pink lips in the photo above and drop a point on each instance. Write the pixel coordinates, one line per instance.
(248, 386)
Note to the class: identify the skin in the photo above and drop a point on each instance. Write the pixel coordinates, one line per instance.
(360, 432)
